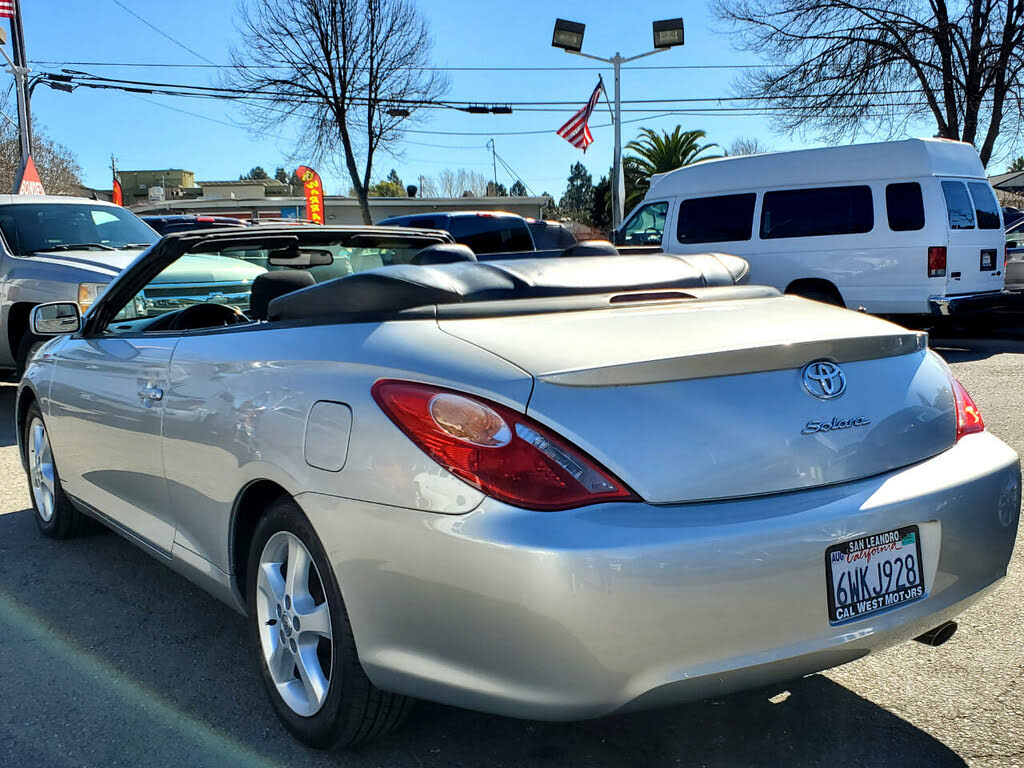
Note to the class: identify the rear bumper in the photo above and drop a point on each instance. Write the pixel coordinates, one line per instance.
(576, 614)
(965, 305)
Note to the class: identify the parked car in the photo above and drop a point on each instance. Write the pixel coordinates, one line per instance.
(550, 234)
(166, 225)
(544, 488)
(485, 232)
(905, 227)
(1015, 256)
(66, 248)
(1011, 215)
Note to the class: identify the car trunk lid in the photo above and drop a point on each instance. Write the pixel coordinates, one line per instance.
(703, 400)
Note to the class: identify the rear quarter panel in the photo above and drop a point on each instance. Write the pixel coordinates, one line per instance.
(237, 405)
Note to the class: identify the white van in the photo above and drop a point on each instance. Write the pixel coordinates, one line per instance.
(902, 227)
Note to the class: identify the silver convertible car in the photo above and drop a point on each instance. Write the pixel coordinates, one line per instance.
(552, 488)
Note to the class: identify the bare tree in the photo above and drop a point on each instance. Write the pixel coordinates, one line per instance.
(747, 146)
(880, 65)
(352, 72)
(456, 183)
(57, 165)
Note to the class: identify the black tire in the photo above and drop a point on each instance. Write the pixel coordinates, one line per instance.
(354, 711)
(66, 521)
(26, 349)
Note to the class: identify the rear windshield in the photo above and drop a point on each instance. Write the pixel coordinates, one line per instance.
(904, 206)
(985, 205)
(817, 212)
(39, 227)
(958, 205)
(551, 236)
(491, 234)
(716, 219)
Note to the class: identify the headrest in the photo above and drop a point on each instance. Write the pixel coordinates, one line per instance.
(444, 253)
(591, 248)
(270, 285)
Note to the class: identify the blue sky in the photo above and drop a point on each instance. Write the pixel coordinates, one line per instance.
(151, 131)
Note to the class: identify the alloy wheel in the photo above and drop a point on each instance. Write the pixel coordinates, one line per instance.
(40, 468)
(295, 630)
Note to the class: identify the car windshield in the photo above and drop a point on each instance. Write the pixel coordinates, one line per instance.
(226, 275)
(36, 227)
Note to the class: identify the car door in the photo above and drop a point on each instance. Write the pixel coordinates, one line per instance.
(646, 225)
(974, 258)
(105, 415)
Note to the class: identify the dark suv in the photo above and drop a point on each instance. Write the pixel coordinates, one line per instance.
(483, 231)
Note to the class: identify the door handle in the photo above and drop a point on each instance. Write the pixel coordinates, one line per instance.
(151, 393)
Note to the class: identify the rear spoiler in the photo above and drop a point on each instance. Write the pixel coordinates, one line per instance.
(733, 362)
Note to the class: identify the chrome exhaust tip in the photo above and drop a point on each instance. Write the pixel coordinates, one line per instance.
(939, 635)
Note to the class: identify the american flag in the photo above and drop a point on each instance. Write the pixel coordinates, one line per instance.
(6, 9)
(576, 131)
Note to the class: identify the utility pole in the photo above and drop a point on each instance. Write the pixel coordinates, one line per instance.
(19, 68)
(494, 162)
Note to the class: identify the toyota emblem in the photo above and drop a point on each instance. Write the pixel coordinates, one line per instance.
(823, 379)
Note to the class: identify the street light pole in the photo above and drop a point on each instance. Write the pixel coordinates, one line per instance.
(618, 182)
(568, 35)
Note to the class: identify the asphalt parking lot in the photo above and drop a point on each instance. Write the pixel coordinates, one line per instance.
(109, 659)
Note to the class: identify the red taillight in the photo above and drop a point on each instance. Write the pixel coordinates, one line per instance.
(505, 454)
(937, 261)
(204, 219)
(968, 417)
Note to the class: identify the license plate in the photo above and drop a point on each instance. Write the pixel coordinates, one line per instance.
(873, 573)
(988, 260)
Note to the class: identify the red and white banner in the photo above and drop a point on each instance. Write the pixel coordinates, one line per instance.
(28, 182)
(314, 193)
(6, 9)
(576, 131)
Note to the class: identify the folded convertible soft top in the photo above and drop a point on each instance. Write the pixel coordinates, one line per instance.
(399, 287)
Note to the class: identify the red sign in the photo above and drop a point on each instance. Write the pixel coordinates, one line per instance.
(30, 183)
(314, 193)
(118, 196)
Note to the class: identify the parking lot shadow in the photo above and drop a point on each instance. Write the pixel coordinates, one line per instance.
(108, 657)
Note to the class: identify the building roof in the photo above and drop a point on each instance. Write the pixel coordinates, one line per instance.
(1011, 180)
(158, 170)
(827, 165)
(241, 183)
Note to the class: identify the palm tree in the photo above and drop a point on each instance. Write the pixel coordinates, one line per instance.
(655, 152)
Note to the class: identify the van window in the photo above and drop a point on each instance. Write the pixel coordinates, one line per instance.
(716, 219)
(958, 205)
(816, 212)
(904, 206)
(646, 225)
(985, 205)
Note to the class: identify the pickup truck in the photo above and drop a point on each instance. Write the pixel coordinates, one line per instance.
(69, 249)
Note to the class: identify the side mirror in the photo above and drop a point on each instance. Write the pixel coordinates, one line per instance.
(56, 318)
(616, 237)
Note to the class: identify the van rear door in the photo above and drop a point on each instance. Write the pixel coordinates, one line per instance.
(974, 256)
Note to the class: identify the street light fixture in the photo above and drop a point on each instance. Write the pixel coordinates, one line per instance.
(568, 35)
(668, 33)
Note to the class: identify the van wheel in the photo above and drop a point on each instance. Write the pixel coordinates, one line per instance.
(305, 646)
(826, 294)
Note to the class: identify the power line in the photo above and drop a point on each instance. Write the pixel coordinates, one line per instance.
(164, 34)
(211, 65)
